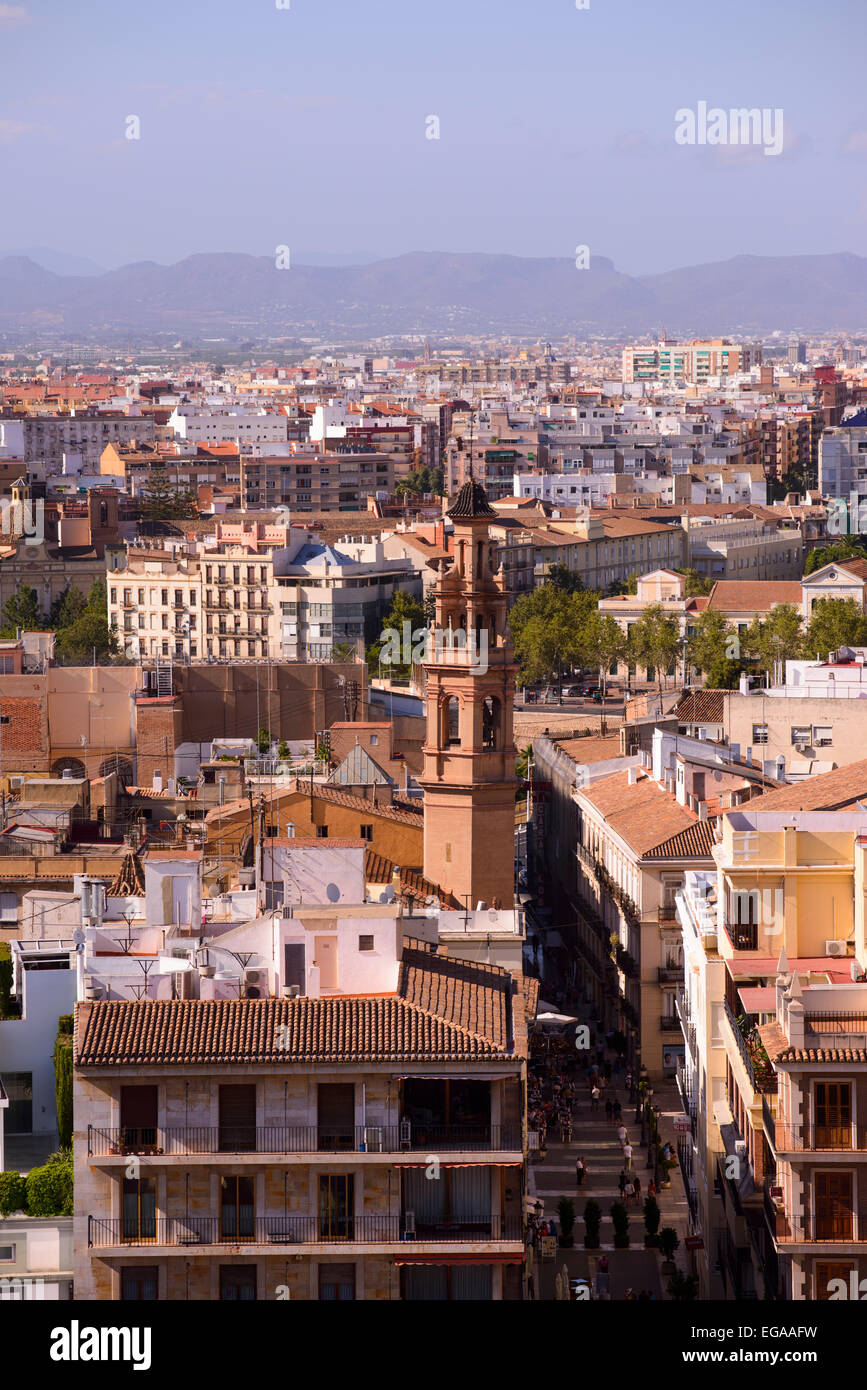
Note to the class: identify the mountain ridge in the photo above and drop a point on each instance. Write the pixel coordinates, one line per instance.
(436, 292)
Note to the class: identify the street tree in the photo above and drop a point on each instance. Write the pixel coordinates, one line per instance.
(603, 642)
(777, 637)
(655, 641)
(713, 648)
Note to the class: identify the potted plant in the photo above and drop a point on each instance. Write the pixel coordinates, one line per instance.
(683, 1287)
(592, 1222)
(652, 1217)
(669, 1241)
(566, 1214)
(620, 1221)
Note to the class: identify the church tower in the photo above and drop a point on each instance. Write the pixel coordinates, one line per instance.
(469, 754)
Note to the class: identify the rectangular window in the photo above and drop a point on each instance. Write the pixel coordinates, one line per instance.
(273, 895)
(760, 733)
(366, 832)
(237, 1283)
(7, 1254)
(801, 734)
(337, 1283)
(322, 832)
(365, 943)
(823, 736)
(9, 907)
(138, 1284)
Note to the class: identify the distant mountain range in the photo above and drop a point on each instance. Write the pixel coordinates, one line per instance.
(233, 295)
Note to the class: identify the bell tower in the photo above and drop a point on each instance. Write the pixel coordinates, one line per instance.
(469, 754)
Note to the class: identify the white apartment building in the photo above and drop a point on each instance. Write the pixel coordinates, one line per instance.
(49, 437)
(228, 426)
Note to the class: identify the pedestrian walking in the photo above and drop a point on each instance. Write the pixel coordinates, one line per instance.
(629, 1191)
(617, 1109)
(606, 1067)
(609, 1109)
(621, 1182)
(627, 1157)
(580, 1172)
(636, 1182)
(622, 1135)
(594, 1098)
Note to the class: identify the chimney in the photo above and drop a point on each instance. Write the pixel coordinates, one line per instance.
(632, 776)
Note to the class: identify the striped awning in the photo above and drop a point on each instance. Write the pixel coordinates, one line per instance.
(460, 1259)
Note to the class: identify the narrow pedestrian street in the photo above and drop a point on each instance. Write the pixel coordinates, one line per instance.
(595, 1140)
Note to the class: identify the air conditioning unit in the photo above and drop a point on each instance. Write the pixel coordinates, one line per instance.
(856, 973)
(409, 1225)
(255, 984)
(835, 948)
(15, 783)
(741, 1148)
(291, 991)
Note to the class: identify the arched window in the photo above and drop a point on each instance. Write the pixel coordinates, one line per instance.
(491, 715)
(450, 722)
(453, 727)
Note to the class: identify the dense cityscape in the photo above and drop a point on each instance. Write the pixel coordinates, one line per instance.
(433, 776)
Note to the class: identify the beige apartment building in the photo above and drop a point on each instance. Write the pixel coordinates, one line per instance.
(692, 362)
(602, 550)
(280, 1148)
(308, 481)
(743, 549)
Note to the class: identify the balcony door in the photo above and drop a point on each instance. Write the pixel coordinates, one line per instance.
(833, 1128)
(237, 1208)
(834, 1216)
(336, 1206)
(139, 1209)
(138, 1117)
(335, 1112)
(237, 1110)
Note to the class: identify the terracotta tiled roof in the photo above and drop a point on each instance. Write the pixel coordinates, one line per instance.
(589, 750)
(445, 1010)
(702, 707)
(363, 803)
(413, 885)
(829, 791)
(643, 814)
(129, 882)
(530, 991)
(695, 842)
(753, 595)
(471, 502)
(475, 997)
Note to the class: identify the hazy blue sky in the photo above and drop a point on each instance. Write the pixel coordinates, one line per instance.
(306, 126)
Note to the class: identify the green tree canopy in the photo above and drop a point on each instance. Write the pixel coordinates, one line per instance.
(711, 649)
(67, 608)
(846, 548)
(602, 643)
(834, 623)
(563, 578)
(779, 637)
(697, 585)
(654, 640)
(547, 627)
(164, 500)
(404, 609)
(88, 634)
(21, 610)
(421, 480)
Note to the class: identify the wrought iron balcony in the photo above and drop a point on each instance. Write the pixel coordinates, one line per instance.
(241, 1227)
(297, 1139)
